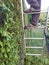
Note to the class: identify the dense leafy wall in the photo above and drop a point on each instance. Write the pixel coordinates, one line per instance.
(10, 32)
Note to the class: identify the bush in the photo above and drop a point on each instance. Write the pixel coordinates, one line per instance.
(10, 34)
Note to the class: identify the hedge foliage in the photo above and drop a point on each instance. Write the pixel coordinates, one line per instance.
(10, 32)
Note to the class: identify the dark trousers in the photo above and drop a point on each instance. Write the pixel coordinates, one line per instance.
(35, 17)
(33, 3)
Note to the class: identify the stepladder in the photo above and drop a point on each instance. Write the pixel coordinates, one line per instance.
(34, 38)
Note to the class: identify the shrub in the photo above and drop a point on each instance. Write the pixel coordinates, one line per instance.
(10, 34)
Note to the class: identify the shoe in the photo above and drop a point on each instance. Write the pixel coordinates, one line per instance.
(29, 26)
(31, 10)
(25, 27)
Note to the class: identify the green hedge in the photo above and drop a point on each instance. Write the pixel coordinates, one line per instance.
(10, 33)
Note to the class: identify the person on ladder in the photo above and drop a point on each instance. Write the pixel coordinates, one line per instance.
(35, 6)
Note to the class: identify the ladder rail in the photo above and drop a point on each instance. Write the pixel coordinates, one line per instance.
(46, 19)
(22, 14)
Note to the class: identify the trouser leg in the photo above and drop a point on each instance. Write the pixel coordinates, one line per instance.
(34, 7)
(34, 3)
(35, 19)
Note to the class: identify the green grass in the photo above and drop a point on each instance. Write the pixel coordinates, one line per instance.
(34, 34)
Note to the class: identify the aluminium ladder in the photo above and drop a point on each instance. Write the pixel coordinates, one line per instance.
(24, 38)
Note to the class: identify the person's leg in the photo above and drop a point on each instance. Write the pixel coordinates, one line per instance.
(34, 2)
(35, 19)
(29, 1)
(33, 22)
(39, 1)
(35, 6)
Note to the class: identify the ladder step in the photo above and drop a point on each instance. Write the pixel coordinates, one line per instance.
(34, 12)
(47, 25)
(34, 38)
(48, 19)
(48, 28)
(42, 27)
(31, 13)
(33, 47)
(47, 22)
(33, 54)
